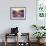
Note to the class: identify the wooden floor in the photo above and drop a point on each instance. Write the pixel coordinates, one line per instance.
(13, 44)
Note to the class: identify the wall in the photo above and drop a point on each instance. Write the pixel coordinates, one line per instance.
(24, 25)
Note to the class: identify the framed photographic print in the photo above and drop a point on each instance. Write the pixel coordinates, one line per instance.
(41, 8)
(41, 12)
(18, 13)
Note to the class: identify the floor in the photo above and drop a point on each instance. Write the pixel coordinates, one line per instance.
(13, 44)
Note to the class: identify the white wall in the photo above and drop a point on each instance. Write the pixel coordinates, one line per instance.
(24, 25)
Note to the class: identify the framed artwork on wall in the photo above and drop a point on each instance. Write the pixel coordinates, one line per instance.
(41, 8)
(18, 13)
(41, 12)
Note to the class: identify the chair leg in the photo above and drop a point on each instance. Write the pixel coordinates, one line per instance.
(5, 43)
(17, 39)
(5, 40)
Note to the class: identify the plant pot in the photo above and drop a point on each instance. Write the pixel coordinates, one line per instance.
(38, 40)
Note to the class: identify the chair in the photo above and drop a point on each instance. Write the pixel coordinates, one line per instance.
(14, 32)
(26, 37)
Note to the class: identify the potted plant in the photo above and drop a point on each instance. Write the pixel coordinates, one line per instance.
(42, 27)
(38, 27)
(39, 35)
(35, 26)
